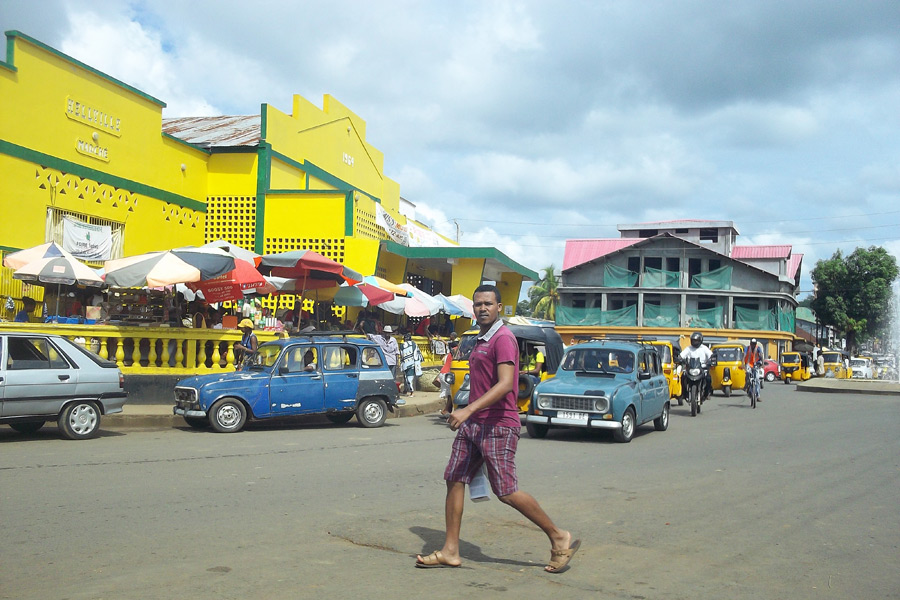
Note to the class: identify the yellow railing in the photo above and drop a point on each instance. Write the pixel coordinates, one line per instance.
(168, 351)
(153, 350)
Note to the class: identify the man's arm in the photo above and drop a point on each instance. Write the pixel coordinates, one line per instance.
(506, 380)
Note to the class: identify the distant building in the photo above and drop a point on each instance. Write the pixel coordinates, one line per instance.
(671, 278)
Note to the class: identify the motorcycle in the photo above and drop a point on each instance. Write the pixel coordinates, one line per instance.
(693, 382)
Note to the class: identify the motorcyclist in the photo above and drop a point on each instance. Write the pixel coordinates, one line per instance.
(753, 358)
(699, 350)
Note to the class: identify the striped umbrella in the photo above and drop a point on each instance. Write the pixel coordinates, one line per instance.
(157, 269)
(23, 257)
(61, 270)
(311, 268)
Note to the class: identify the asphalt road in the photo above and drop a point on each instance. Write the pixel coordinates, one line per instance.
(797, 499)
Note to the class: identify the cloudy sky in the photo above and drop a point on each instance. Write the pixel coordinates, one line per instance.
(523, 124)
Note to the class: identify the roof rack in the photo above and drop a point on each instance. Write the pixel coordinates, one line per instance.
(617, 337)
(342, 334)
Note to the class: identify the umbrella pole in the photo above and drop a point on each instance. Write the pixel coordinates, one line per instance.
(58, 292)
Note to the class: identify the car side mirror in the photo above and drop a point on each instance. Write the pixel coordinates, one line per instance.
(644, 375)
(713, 361)
(283, 370)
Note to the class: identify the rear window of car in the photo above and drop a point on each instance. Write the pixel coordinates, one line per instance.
(33, 353)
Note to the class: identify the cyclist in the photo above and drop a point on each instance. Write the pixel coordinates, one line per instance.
(698, 349)
(754, 359)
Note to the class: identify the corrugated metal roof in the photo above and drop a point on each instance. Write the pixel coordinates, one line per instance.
(210, 132)
(581, 251)
(745, 252)
(793, 268)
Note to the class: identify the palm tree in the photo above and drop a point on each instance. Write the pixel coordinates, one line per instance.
(544, 296)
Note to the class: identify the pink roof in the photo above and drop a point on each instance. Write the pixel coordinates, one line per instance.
(744, 252)
(794, 265)
(579, 252)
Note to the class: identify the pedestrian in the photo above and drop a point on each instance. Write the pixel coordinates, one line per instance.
(391, 351)
(410, 362)
(24, 315)
(244, 349)
(487, 432)
(441, 380)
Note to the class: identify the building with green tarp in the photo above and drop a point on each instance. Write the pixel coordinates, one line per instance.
(668, 279)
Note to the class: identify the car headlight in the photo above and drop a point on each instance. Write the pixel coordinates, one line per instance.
(695, 372)
(600, 405)
(543, 401)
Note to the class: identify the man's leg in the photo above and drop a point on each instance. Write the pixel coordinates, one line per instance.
(453, 510)
(560, 539)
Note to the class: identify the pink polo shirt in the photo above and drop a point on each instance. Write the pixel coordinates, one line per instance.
(497, 346)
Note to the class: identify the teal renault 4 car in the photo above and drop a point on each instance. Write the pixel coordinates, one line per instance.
(614, 385)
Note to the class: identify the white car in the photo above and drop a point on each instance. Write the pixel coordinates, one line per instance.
(861, 368)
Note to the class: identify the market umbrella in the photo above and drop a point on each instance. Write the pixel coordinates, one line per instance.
(311, 268)
(21, 258)
(158, 269)
(236, 251)
(457, 306)
(61, 270)
(362, 294)
(419, 304)
(385, 285)
(233, 285)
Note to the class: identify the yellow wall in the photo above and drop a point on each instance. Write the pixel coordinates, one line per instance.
(232, 174)
(467, 276)
(305, 215)
(54, 105)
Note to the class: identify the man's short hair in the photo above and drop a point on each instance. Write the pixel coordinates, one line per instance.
(488, 287)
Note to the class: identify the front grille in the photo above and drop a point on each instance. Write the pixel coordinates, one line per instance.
(577, 403)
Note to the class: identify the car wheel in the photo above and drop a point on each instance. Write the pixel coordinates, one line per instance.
(770, 376)
(80, 421)
(197, 422)
(27, 427)
(662, 421)
(727, 391)
(227, 415)
(371, 412)
(625, 434)
(536, 430)
(339, 417)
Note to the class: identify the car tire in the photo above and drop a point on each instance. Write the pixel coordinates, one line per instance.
(727, 391)
(197, 422)
(227, 415)
(371, 412)
(624, 435)
(770, 376)
(80, 421)
(537, 430)
(339, 418)
(27, 427)
(526, 386)
(661, 423)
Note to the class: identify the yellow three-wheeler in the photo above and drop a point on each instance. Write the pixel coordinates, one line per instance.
(728, 373)
(794, 366)
(834, 365)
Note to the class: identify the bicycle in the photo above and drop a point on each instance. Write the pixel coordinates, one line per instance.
(753, 384)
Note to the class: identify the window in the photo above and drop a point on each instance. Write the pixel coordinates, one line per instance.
(682, 231)
(579, 300)
(705, 303)
(653, 262)
(33, 353)
(714, 263)
(338, 358)
(302, 359)
(634, 264)
(371, 358)
(673, 264)
(645, 233)
(693, 267)
(709, 234)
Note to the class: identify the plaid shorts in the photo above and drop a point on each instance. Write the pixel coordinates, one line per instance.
(476, 444)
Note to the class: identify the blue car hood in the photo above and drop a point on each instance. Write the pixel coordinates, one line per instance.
(578, 385)
(213, 380)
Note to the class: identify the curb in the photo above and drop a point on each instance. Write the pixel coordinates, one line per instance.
(872, 389)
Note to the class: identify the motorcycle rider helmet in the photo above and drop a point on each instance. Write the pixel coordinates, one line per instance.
(752, 341)
(696, 339)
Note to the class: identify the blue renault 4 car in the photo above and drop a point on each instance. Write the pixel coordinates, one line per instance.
(339, 376)
(615, 385)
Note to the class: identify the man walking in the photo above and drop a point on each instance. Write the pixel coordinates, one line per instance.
(391, 350)
(488, 433)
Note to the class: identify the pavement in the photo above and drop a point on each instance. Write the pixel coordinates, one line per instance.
(159, 416)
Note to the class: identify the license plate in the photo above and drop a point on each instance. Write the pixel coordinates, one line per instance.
(572, 416)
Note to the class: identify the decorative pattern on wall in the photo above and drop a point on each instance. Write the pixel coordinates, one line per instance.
(231, 218)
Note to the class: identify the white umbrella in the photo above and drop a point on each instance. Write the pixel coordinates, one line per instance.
(419, 304)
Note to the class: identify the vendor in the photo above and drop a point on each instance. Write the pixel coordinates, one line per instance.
(24, 316)
(248, 344)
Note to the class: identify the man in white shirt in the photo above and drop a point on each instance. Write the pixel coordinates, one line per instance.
(698, 349)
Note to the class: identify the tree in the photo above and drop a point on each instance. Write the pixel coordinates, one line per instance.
(544, 297)
(853, 294)
(523, 308)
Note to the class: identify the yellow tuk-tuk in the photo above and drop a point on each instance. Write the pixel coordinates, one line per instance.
(531, 339)
(728, 372)
(667, 357)
(834, 365)
(794, 366)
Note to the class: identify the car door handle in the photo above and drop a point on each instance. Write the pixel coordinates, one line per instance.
(352, 375)
(63, 377)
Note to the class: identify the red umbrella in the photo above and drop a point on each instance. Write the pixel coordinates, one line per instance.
(313, 269)
(232, 285)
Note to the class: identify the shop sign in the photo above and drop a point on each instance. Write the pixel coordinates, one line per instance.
(87, 241)
(91, 149)
(93, 117)
(391, 226)
(424, 238)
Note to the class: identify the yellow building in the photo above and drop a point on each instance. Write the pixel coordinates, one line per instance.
(79, 146)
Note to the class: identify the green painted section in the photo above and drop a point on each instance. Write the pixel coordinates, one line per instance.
(459, 252)
(10, 54)
(16, 151)
(263, 174)
(263, 121)
(349, 211)
(18, 34)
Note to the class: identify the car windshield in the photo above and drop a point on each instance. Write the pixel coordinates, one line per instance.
(790, 358)
(265, 356)
(727, 354)
(598, 360)
(857, 362)
(831, 357)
